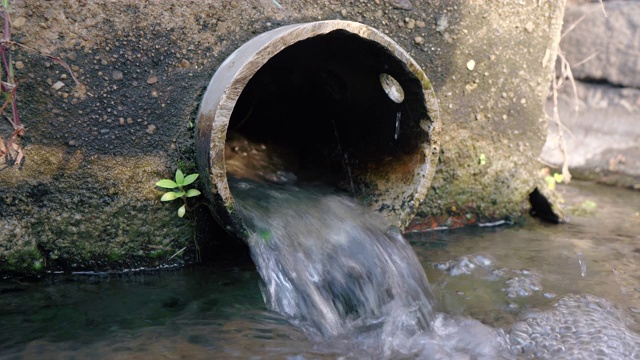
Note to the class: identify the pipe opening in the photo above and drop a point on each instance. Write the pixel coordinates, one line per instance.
(345, 107)
(320, 109)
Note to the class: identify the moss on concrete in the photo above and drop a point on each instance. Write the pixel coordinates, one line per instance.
(84, 198)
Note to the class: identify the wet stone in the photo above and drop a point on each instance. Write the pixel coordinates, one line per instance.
(401, 4)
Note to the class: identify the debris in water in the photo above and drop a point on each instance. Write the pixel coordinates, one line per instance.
(392, 87)
(582, 263)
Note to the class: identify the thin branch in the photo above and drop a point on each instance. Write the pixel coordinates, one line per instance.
(603, 10)
(586, 59)
(54, 58)
(572, 26)
(566, 176)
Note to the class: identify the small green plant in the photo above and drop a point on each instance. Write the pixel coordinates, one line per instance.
(552, 180)
(483, 159)
(178, 190)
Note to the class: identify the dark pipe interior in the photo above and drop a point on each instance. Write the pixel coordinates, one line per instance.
(320, 105)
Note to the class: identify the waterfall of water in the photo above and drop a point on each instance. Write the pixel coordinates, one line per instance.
(329, 264)
(338, 272)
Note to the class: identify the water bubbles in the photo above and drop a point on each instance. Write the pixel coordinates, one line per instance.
(580, 327)
(465, 265)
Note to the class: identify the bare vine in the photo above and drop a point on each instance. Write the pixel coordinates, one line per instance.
(10, 150)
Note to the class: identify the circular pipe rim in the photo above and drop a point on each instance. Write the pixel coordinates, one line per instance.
(225, 88)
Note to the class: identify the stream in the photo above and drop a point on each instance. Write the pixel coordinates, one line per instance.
(519, 291)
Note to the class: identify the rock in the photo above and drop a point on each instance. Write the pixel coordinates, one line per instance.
(58, 85)
(117, 75)
(185, 64)
(151, 129)
(19, 65)
(152, 80)
(418, 40)
(19, 22)
(601, 139)
(442, 23)
(610, 43)
(401, 4)
(529, 26)
(471, 64)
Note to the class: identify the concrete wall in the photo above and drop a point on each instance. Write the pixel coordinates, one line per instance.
(602, 117)
(84, 198)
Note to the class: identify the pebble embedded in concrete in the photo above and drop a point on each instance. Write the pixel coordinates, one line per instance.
(19, 22)
(410, 23)
(401, 4)
(58, 85)
(185, 64)
(529, 26)
(471, 64)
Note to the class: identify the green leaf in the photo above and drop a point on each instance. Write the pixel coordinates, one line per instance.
(171, 195)
(265, 234)
(189, 179)
(179, 177)
(38, 265)
(558, 177)
(551, 182)
(167, 184)
(181, 211)
(192, 193)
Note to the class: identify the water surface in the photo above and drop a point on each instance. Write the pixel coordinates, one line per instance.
(498, 276)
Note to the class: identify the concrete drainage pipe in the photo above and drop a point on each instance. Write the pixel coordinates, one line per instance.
(334, 101)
